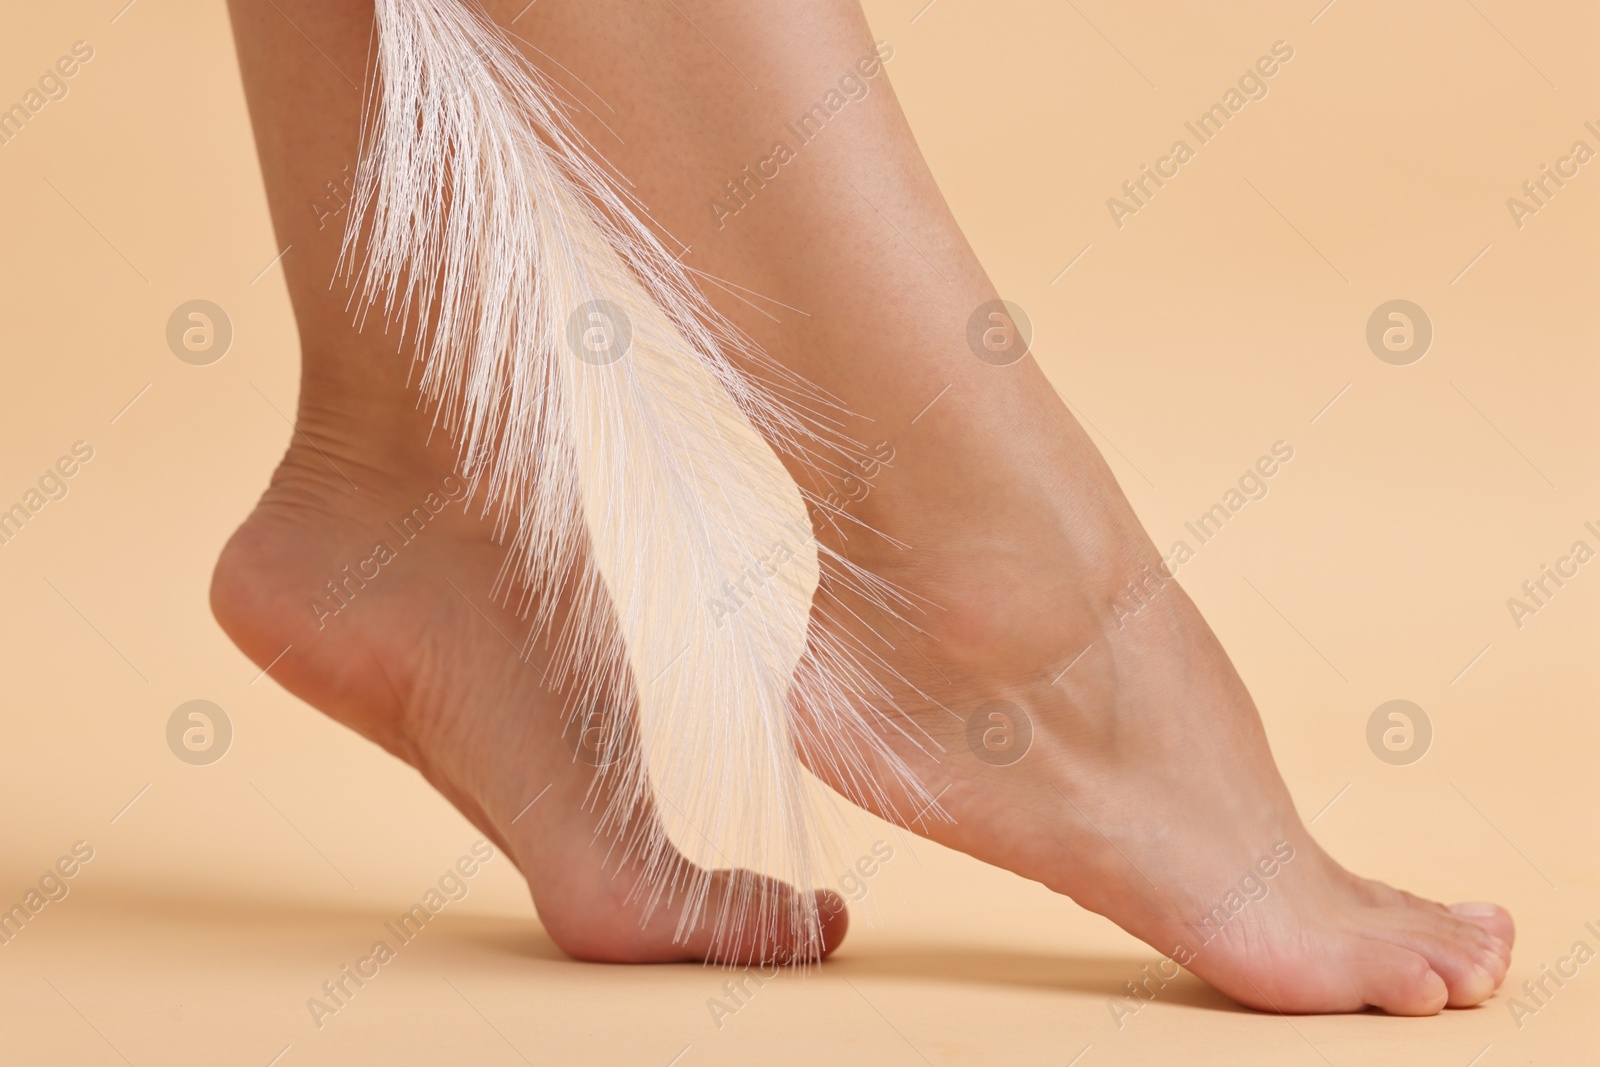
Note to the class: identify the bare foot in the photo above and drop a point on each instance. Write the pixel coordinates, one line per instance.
(421, 660)
(414, 655)
(1096, 737)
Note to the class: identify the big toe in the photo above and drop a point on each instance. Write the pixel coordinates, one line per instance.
(752, 919)
(1494, 919)
(1466, 956)
(1397, 980)
(739, 919)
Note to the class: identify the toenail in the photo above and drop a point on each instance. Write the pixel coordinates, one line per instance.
(1474, 909)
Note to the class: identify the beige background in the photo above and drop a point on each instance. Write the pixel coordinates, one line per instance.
(1224, 316)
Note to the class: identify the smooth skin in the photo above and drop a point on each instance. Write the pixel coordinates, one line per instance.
(1149, 791)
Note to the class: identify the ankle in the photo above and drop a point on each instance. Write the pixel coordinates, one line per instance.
(360, 428)
(1014, 560)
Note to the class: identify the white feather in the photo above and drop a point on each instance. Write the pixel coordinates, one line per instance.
(631, 489)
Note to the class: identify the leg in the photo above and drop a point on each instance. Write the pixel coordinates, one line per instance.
(404, 644)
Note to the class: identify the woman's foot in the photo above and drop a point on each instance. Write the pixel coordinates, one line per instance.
(404, 645)
(1089, 732)
(421, 660)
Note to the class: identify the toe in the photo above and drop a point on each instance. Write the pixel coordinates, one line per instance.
(742, 919)
(751, 919)
(1468, 945)
(1460, 953)
(1494, 919)
(1486, 929)
(1398, 981)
